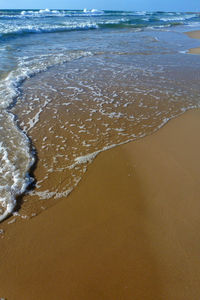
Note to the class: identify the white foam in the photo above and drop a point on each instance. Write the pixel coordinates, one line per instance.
(12, 221)
(183, 52)
(42, 13)
(35, 119)
(86, 158)
(45, 195)
(16, 160)
(178, 18)
(9, 87)
(26, 28)
(93, 11)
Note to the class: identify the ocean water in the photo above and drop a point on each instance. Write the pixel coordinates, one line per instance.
(74, 83)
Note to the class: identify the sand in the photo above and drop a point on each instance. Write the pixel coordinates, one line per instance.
(131, 230)
(194, 35)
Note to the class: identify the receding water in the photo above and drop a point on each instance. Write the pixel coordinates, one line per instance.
(85, 91)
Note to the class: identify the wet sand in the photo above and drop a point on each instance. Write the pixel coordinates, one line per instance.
(194, 35)
(131, 230)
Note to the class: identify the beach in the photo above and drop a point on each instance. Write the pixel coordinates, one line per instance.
(129, 227)
(194, 35)
(129, 231)
(75, 83)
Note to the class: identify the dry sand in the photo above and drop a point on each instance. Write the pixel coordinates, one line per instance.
(194, 35)
(130, 231)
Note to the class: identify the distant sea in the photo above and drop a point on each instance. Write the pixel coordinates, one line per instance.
(74, 83)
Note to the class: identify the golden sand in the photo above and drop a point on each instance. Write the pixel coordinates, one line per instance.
(131, 229)
(194, 35)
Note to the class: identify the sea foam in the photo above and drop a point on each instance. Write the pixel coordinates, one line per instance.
(15, 153)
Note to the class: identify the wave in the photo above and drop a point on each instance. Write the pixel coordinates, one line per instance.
(178, 18)
(15, 155)
(16, 160)
(33, 14)
(27, 29)
(20, 22)
(30, 66)
(23, 29)
(93, 11)
(43, 13)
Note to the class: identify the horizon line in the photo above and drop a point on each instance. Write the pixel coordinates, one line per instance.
(78, 9)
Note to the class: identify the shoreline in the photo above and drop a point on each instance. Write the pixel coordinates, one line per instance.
(195, 35)
(30, 208)
(130, 230)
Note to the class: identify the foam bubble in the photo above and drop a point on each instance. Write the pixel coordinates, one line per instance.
(15, 155)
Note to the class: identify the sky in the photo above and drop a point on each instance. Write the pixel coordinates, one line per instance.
(155, 5)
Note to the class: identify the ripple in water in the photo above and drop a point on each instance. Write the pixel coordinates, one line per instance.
(75, 111)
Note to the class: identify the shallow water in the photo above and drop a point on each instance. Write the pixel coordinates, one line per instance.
(85, 92)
